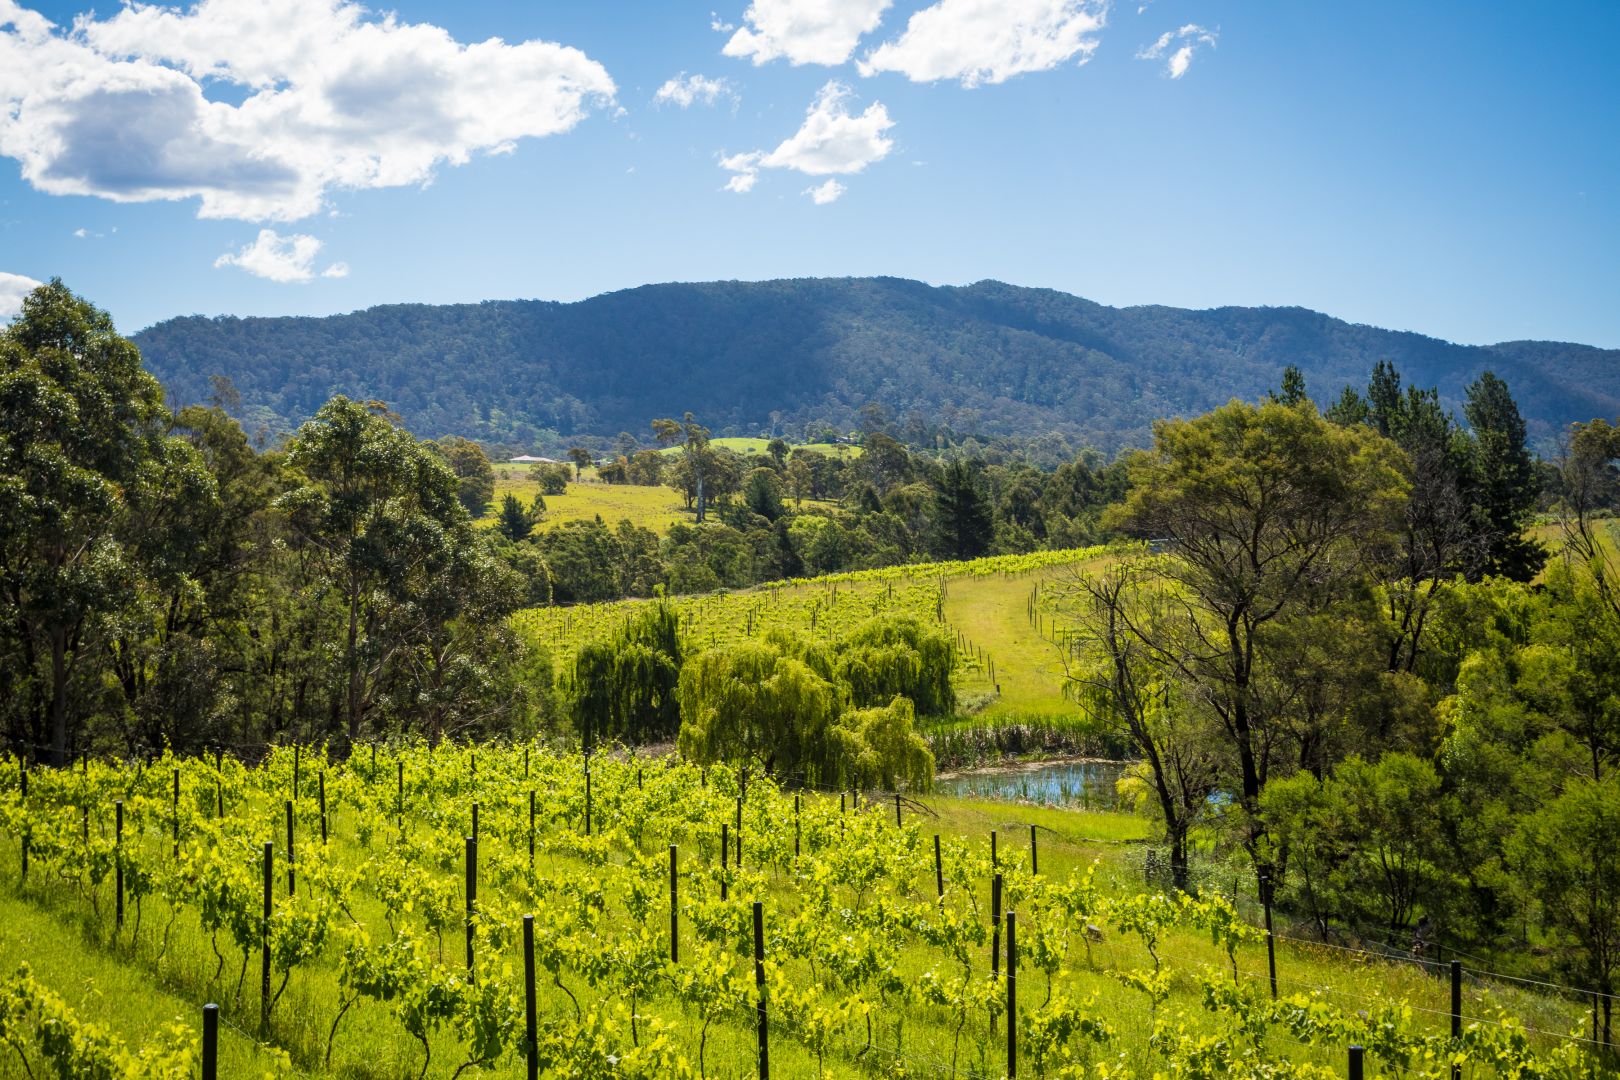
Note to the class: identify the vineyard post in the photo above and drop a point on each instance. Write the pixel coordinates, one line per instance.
(219, 799)
(1456, 1011)
(759, 987)
(531, 1042)
(323, 807)
(840, 815)
(725, 848)
(1356, 1055)
(739, 832)
(399, 802)
(897, 810)
(531, 828)
(1271, 941)
(1034, 857)
(264, 933)
(939, 871)
(177, 813)
(27, 827)
(472, 898)
(674, 910)
(525, 763)
(993, 861)
(796, 829)
(292, 883)
(1012, 994)
(995, 933)
(587, 801)
(210, 1042)
(373, 775)
(118, 857)
(638, 779)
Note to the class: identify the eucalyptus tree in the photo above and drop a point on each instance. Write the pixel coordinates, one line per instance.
(1267, 513)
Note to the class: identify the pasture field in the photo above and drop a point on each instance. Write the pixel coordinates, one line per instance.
(876, 959)
(741, 444)
(655, 508)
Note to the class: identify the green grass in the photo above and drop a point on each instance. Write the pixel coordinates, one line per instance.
(655, 508)
(992, 613)
(739, 444)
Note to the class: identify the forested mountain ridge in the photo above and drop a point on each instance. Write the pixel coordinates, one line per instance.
(987, 358)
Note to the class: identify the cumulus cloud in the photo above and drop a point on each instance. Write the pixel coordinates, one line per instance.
(822, 194)
(831, 141)
(260, 108)
(1186, 41)
(13, 287)
(804, 31)
(990, 41)
(283, 259)
(687, 90)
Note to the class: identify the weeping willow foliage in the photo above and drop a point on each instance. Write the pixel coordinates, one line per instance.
(625, 688)
(827, 715)
(897, 655)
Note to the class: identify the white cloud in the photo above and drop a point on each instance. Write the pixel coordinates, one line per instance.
(1190, 36)
(822, 194)
(688, 90)
(719, 25)
(831, 141)
(13, 287)
(804, 31)
(990, 41)
(283, 259)
(81, 233)
(260, 108)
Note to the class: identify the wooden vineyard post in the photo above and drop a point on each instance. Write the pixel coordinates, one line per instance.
(796, 828)
(210, 1042)
(674, 909)
(176, 813)
(995, 936)
(1271, 944)
(587, 802)
(1456, 1011)
(399, 800)
(525, 763)
(292, 883)
(1356, 1066)
(323, 807)
(28, 828)
(531, 827)
(1034, 856)
(531, 1035)
(897, 810)
(939, 871)
(739, 831)
(472, 899)
(118, 859)
(1012, 994)
(264, 931)
(725, 848)
(759, 988)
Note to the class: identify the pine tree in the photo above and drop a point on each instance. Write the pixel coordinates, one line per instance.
(1503, 485)
(961, 514)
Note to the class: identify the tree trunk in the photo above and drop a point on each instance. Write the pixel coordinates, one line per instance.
(59, 717)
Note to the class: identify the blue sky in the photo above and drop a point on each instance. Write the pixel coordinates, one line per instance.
(1450, 168)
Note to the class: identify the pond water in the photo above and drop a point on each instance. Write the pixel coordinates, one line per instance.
(1058, 783)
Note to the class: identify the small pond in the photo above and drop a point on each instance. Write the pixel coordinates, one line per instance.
(1059, 783)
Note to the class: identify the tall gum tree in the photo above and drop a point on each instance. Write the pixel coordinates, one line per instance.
(1266, 512)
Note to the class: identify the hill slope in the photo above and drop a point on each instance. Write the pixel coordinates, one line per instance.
(988, 358)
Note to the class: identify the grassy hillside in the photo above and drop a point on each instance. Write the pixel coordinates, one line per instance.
(655, 508)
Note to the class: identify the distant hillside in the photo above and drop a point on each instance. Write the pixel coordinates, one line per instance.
(987, 358)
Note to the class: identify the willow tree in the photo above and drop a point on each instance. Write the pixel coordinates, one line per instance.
(751, 705)
(625, 687)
